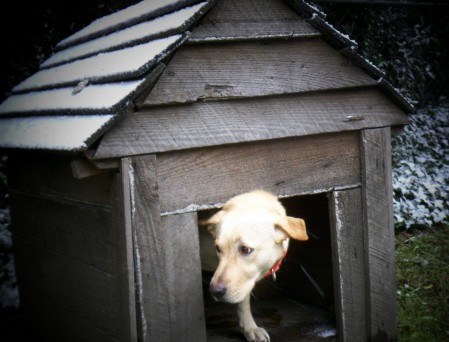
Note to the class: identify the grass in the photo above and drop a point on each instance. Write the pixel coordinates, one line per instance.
(422, 267)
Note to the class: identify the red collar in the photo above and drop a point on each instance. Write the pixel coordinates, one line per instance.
(273, 269)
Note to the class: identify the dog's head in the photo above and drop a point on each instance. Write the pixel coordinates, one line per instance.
(251, 233)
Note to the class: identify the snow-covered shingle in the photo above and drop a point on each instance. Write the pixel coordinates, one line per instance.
(142, 11)
(168, 24)
(62, 133)
(100, 69)
(93, 98)
(126, 63)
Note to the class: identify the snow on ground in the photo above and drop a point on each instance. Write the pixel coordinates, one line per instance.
(421, 169)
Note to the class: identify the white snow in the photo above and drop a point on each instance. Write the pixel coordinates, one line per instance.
(93, 97)
(131, 13)
(126, 36)
(51, 132)
(421, 169)
(110, 64)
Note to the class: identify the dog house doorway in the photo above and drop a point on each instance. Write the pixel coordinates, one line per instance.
(299, 304)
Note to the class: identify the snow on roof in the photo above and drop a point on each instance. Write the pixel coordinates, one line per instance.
(100, 69)
(131, 15)
(63, 132)
(102, 97)
(104, 66)
(175, 22)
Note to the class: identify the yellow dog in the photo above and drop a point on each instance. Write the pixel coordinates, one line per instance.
(251, 235)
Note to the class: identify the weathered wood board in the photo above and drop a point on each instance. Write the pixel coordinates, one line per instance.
(67, 251)
(50, 175)
(379, 237)
(287, 167)
(251, 69)
(167, 262)
(251, 20)
(168, 128)
(78, 232)
(349, 263)
(81, 290)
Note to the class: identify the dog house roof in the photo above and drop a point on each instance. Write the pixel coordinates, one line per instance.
(97, 74)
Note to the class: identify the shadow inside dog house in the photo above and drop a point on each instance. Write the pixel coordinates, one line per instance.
(299, 304)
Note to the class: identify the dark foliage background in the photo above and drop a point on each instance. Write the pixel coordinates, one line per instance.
(409, 43)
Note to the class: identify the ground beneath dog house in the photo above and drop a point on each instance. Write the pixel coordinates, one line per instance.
(283, 318)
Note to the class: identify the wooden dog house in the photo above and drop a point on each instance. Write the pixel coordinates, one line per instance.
(167, 108)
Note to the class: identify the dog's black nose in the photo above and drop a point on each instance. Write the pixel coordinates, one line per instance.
(217, 290)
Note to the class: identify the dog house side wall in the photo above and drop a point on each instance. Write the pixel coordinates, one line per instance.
(69, 250)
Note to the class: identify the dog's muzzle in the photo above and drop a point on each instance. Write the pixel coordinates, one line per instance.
(217, 291)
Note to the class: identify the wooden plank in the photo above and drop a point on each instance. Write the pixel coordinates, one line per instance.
(55, 323)
(251, 19)
(116, 21)
(169, 296)
(349, 263)
(77, 231)
(62, 132)
(83, 168)
(96, 99)
(235, 31)
(209, 176)
(224, 122)
(232, 31)
(50, 175)
(248, 69)
(379, 233)
(87, 293)
(249, 11)
(151, 292)
(182, 257)
(144, 58)
(125, 254)
(67, 250)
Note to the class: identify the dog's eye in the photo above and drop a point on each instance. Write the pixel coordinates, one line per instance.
(217, 249)
(243, 250)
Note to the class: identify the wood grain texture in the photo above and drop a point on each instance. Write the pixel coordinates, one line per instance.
(179, 127)
(66, 250)
(77, 231)
(50, 175)
(48, 280)
(249, 10)
(250, 19)
(184, 277)
(379, 238)
(239, 31)
(122, 223)
(349, 263)
(169, 295)
(249, 69)
(285, 167)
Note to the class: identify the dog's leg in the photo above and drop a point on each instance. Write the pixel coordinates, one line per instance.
(249, 328)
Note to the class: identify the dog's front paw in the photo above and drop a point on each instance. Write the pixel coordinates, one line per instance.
(256, 334)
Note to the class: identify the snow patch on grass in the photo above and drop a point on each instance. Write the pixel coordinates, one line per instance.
(421, 169)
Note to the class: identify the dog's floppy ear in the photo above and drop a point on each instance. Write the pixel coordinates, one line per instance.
(292, 227)
(212, 222)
